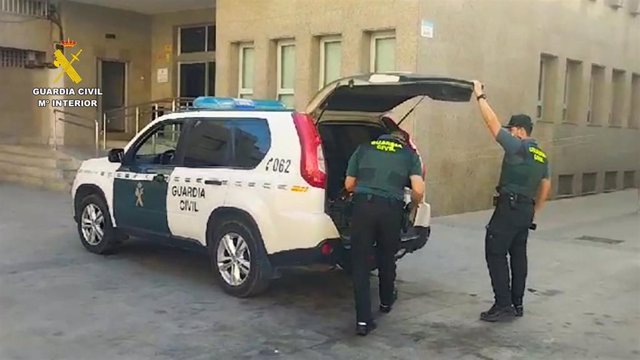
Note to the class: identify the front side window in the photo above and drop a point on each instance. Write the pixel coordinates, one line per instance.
(160, 146)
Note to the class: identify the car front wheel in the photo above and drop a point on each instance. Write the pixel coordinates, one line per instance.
(94, 225)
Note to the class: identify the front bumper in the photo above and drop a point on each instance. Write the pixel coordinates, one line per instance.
(338, 251)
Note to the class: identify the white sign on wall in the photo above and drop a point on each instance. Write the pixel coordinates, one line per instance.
(426, 29)
(163, 75)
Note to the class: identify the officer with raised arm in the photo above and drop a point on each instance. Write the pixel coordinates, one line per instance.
(522, 191)
(377, 174)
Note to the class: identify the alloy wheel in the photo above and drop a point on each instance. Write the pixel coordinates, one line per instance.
(92, 224)
(234, 259)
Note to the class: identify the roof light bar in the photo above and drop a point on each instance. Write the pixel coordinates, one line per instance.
(228, 103)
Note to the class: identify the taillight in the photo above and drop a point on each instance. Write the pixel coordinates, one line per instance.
(312, 159)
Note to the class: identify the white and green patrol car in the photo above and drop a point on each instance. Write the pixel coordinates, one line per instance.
(257, 184)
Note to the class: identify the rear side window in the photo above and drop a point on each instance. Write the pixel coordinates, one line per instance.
(235, 143)
(209, 144)
(252, 140)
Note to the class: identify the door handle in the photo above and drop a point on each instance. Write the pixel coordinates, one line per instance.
(159, 178)
(213, 182)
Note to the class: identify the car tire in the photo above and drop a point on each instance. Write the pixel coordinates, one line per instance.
(95, 229)
(249, 267)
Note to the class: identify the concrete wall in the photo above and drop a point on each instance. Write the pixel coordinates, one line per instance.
(20, 120)
(146, 43)
(496, 41)
(88, 25)
(504, 52)
(35, 34)
(262, 22)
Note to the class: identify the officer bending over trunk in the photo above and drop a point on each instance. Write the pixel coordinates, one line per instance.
(376, 174)
(522, 191)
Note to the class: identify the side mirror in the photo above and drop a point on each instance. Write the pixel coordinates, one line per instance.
(116, 155)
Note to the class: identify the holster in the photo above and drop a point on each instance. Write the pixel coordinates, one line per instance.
(406, 218)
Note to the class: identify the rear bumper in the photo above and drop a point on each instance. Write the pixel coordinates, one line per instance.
(337, 251)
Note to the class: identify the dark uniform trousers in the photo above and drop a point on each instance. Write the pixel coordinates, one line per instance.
(507, 233)
(376, 220)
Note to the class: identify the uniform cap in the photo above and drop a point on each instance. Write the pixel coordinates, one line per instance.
(521, 121)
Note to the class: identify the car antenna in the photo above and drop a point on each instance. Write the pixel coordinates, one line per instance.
(411, 110)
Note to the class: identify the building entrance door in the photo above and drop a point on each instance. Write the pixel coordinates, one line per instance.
(113, 83)
(197, 79)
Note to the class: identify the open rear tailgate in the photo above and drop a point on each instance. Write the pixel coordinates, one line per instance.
(381, 92)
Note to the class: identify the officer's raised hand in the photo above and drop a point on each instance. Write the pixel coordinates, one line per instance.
(489, 116)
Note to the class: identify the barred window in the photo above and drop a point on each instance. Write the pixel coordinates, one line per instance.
(19, 58)
(36, 8)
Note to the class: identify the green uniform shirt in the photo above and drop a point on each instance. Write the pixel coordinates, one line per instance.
(383, 167)
(523, 166)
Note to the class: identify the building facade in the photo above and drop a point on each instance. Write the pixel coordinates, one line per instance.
(135, 52)
(572, 65)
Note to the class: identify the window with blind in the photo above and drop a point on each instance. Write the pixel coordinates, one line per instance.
(286, 66)
(383, 51)
(330, 59)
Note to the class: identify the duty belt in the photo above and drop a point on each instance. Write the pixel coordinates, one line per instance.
(377, 199)
(514, 197)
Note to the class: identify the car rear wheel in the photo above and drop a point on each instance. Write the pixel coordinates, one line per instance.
(94, 225)
(238, 258)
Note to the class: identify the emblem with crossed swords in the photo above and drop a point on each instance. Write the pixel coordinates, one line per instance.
(139, 192)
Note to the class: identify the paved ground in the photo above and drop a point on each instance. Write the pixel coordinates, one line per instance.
(58, 301)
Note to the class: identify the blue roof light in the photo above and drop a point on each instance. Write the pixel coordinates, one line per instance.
(228, 103)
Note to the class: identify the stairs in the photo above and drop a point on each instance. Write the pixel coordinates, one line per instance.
(43, 167)
(38, 166)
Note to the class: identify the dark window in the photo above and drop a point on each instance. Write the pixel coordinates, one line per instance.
(610, 180)
(211, 90)
(565, 185)
(193, 39)
(209, 144)
(589, 183)
(192, 79)
(252, 141)
(211, 38)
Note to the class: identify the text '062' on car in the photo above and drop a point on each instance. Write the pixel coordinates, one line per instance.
(260, 186)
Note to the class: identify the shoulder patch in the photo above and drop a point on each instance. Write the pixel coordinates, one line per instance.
(538, 155)
(385, 145)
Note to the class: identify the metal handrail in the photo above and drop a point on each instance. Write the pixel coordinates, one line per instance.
(163, 100)
(178, 102)
(96, 127)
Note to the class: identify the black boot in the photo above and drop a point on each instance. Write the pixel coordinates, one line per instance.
(519, 310)
(497, 313)
(386, 308)
(364, 328)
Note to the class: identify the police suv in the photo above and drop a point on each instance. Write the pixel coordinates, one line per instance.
(257, 184)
